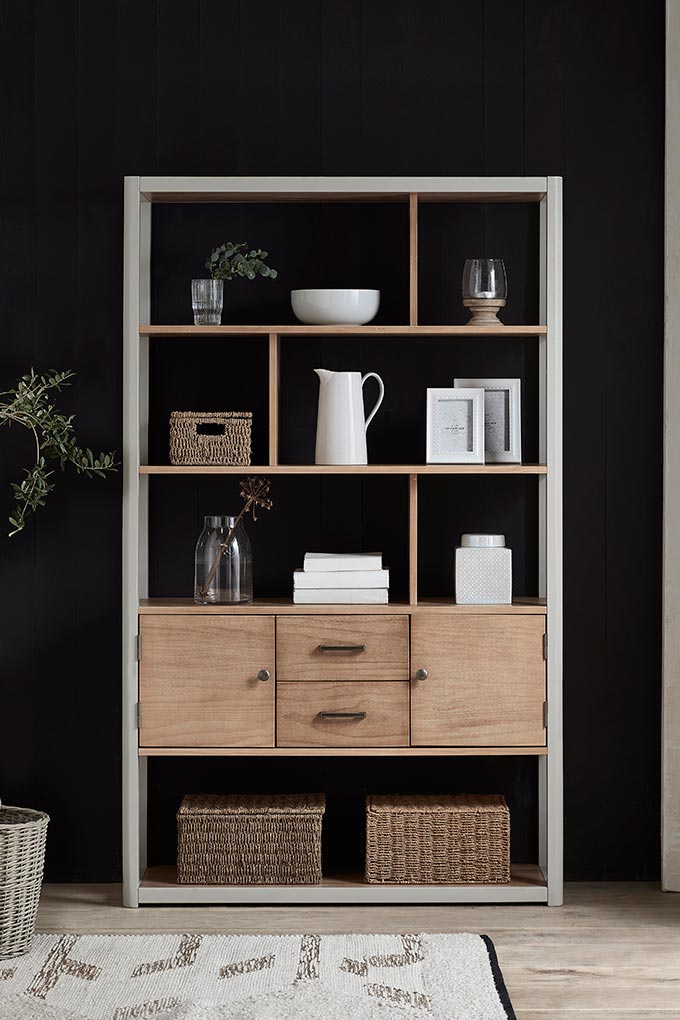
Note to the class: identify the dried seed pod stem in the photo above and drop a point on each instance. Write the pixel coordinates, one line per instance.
(255, 493)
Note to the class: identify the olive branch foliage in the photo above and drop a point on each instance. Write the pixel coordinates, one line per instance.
(30, 404)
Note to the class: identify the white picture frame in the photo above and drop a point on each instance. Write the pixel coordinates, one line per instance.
(455, 425)
(502, 418)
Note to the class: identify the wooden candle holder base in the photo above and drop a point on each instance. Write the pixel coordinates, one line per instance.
(484, 311)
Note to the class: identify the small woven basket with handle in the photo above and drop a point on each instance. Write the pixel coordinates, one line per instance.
(210, 437)
(22, 856)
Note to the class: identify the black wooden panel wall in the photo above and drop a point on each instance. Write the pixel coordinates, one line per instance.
(92, 91)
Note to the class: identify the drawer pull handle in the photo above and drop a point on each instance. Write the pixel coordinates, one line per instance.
(342, 648)
(342, 715)
(264, 675)
(422, 674)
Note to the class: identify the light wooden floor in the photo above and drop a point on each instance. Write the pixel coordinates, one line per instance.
(612, 951)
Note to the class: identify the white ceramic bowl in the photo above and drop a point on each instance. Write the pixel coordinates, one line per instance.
(342, 307)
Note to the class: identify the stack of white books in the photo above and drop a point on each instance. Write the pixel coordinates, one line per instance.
(341, 578)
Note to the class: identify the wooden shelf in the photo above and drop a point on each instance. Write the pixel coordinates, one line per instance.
(527, 885)
(346, 469)
(284, 605)
(300, 330)
(340, 752)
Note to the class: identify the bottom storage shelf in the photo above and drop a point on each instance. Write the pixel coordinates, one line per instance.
(527, 885)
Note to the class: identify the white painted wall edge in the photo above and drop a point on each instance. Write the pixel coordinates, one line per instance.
(670, 809)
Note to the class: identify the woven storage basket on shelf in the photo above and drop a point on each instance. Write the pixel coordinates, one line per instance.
(442, 840)
(250, 839)
(230, 447)
(22, 855)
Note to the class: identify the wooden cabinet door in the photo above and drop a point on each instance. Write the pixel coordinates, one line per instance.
(199, 683)
(486, 681)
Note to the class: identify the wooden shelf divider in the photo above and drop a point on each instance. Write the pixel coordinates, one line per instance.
(413, 258)
(413, 539)
(274, 390)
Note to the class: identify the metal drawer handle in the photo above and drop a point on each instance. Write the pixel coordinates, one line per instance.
(342, 715)
(422, 674)
(263, 675)
(342, 648)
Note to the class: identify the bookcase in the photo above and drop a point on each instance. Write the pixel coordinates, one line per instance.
(493, 674)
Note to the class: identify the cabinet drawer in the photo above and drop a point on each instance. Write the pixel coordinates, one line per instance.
(351, 648)
(342, 715)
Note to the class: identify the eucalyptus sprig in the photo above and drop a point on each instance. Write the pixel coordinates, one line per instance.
(228, 260)
(29, 404)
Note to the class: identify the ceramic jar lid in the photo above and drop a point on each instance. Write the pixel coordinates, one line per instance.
(482, 541)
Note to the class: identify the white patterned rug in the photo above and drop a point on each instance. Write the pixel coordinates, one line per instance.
(255, 977)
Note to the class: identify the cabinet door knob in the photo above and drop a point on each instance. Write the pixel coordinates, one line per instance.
(422, 674)
(263, 675)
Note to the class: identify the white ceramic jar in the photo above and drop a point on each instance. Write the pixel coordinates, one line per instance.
(483, 571)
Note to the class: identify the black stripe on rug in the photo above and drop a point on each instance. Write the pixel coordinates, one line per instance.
(498, 978)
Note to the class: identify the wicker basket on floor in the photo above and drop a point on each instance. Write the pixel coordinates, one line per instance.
(250, 839)
(438, 839)
(22, 855)
(230, 446)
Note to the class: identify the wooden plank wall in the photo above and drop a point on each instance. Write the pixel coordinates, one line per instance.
(90, 92)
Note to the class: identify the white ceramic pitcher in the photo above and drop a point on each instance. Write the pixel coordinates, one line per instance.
(340, 425)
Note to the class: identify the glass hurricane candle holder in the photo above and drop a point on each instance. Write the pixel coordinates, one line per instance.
(485, 288)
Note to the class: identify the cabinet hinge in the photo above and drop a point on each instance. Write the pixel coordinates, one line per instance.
(545, 645)
(545, 715)
(139, 647)
(138, 715)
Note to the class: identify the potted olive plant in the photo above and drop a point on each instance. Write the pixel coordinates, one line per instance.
(226, 262)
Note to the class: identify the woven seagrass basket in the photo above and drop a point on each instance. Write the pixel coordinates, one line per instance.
(210, 437)
(250, 839)
(22, 855)
(438, 840)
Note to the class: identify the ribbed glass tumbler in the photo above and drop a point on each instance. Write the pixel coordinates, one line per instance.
(206, 301)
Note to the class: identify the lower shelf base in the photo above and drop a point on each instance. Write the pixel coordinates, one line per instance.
(527, 885)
